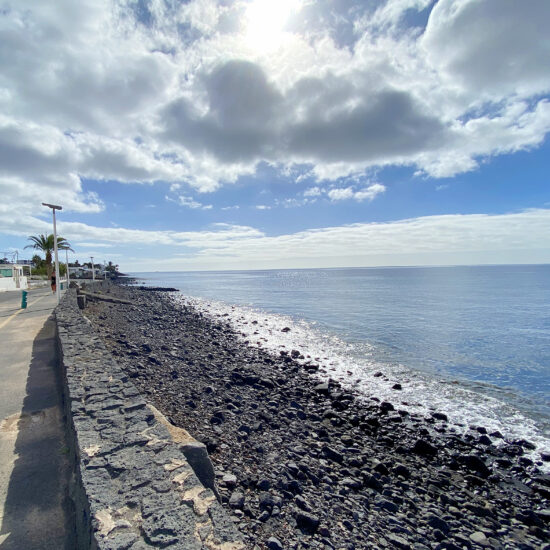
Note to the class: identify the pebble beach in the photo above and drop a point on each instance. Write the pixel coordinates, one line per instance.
(302, 462)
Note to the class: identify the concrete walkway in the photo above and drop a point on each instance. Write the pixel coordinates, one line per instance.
(34, 470)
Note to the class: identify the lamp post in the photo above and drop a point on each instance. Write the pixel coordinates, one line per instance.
(54, 207)
(67, 266)
(93, 268)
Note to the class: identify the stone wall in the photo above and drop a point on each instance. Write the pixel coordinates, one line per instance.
(136, 484)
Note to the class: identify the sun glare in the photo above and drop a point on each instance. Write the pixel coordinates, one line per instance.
(265, 21)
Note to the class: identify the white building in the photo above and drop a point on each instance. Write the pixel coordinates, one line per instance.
(12, 278)
(84, 272)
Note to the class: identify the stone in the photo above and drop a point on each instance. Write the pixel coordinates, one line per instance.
(274, 543)
(388, 506)
(307, 522)
(479, 538)
(322, 388)
(401, 470)
(333, 454)
(302, 503)
(266, 501)
(398, 542)
(476, 464)
(197, 457)
(263, 484)
(229, 480)
(423, 448)
(236, 500)
(437, 523)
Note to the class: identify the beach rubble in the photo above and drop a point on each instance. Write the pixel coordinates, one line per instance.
(303, 463)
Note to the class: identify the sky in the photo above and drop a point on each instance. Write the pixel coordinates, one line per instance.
(260, 134)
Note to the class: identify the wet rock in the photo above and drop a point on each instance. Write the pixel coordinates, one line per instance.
(424, 448)
(476, 464)
(322, 388)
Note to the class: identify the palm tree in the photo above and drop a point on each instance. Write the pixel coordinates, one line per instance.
(45, 243)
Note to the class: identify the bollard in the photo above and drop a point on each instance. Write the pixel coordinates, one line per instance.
(23, 299)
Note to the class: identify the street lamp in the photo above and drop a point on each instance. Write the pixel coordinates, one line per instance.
(93, 268)
(54, 207)
(67, 265)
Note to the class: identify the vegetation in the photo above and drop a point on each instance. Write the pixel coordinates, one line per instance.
(44, 266)
(45, 243)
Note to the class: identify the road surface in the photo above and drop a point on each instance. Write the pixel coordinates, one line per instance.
(34, 470)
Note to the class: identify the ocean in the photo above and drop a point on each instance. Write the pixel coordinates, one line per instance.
(472, 342)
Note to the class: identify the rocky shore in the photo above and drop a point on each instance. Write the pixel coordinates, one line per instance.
(306, 464)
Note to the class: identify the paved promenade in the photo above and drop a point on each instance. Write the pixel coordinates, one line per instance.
(33, 456)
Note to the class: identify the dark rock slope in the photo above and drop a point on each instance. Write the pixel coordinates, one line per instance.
(302, 464)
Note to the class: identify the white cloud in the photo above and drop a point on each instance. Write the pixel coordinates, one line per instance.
(340, 194)
(493, 48)
(189, 202)
(262, 207)
(449, 239)
(313, 192)
(126, 91)
(367, 193)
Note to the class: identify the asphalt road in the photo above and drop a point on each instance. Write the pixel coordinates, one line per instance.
(34, 469)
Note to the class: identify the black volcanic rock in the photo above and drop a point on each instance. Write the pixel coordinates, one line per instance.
(302, 463)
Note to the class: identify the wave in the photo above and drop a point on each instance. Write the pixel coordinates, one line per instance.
(362, 368)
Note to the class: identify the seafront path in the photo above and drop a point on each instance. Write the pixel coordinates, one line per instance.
(33, 456)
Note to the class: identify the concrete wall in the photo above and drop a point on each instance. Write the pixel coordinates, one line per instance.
(8, 283)
(136, 485)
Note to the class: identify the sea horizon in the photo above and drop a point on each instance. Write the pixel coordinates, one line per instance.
(416, 266)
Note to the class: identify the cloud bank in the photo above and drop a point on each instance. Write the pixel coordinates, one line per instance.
(458, 239)
(123, 91)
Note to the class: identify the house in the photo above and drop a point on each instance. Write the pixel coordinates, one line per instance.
(12, 277)
(77, 272)
(85, 272)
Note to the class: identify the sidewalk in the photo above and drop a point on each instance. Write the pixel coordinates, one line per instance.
(34, 470)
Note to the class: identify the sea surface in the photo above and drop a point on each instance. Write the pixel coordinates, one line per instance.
(473, 342)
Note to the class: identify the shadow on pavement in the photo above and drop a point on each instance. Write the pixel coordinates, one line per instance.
(8, 313)
(38, 513)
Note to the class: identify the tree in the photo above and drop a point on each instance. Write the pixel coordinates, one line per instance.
(111, 268)
(37, 261)
(45, 243)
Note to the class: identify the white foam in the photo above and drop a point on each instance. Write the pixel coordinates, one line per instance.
(354, 366)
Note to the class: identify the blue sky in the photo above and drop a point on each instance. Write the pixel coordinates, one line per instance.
(257, 134)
